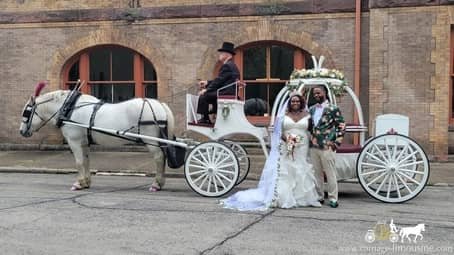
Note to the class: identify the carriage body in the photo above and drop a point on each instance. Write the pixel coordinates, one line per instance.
(390, 166)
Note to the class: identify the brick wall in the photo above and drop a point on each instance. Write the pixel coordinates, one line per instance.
(405, 56)
(180, 50)
(408, 60)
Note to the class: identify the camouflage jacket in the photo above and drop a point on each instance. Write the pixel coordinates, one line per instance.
(330, 128)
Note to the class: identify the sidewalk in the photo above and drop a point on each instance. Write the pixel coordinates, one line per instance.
(139, 163)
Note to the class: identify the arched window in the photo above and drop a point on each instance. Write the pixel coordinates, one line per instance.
(112, 73)
(266, 66)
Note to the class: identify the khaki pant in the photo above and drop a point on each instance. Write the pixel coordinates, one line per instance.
(324, 161)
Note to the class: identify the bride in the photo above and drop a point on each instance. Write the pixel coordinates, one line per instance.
(287, 179)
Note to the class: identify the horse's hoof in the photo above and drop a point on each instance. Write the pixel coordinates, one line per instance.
(76, 186)
(154, 189)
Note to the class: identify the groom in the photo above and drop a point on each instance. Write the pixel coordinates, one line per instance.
(327, 134)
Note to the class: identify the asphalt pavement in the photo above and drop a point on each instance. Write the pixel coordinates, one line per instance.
(117, 215)
(139, 163)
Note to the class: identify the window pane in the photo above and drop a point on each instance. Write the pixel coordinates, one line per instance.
(151, 91)
(264, 91)
(254, 63)
(123, 92)
(281, 62)
(74, 72)
(113, 93)
(103, 92)
(100, 65)
(122, 64)
(148, 72)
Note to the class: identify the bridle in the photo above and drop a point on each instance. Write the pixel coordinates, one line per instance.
(30, 111)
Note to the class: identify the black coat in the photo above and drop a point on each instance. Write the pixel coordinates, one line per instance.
(228, 74)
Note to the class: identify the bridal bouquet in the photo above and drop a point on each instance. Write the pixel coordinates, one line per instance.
(292, 140)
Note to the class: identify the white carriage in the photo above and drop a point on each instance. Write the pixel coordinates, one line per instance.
(390, 166)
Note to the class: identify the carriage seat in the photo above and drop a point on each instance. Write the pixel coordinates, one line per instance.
(349, 148)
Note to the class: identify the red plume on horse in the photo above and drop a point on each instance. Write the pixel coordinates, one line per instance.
(40, 86)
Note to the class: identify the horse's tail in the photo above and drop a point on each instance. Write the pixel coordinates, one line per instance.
(170, 122)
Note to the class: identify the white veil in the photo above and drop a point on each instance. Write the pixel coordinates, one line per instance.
(260, 198)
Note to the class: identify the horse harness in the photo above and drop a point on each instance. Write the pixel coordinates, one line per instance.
(69, 105)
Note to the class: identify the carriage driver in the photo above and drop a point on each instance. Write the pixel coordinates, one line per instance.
(208, 89)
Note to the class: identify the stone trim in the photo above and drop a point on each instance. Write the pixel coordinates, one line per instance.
(187, 11)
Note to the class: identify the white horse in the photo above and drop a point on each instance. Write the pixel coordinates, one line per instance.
(136, 115)
(416, 230)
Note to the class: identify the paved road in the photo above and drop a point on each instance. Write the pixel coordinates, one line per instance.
(39, 215)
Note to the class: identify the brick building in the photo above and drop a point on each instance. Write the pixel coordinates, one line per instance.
(136, 48)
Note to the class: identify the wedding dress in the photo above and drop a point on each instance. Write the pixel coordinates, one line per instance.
(287, 179)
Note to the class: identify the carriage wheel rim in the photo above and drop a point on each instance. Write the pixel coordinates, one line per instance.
(243, 159)
(212, 169)
(393, 168)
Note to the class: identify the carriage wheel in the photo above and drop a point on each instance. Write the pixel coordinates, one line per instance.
(211, 169)
(392, 168)
(243, 159)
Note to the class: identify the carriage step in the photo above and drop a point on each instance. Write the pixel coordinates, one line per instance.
(200, 124)
(349, 148)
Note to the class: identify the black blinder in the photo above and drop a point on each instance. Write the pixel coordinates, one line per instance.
(27, 113)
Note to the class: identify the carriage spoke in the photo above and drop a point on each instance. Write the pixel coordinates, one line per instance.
(203, 182)
(200, 161)
(390, 182)
(408, 156)
(412, 163)
(223, 160)
(203, 157)
(381, 153)
(410, 178)
(381, 184)
(394, 155)
(387, 148)
(209, 184)
(397, 185)
(404, 183)
(375, 179)
(219, 156)
(198, 172)
(402, 152)
(411, 171)
(376, 158)
(213, 178)
(226, 165)
(225, 177)
(373, 172)
(220, 181)
(199, 167)
(225, 171)
(373, 165)
(200, 177)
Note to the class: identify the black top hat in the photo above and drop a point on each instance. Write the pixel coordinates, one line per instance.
(227, 47)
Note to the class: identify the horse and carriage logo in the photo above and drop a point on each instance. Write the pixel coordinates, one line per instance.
(391, 232)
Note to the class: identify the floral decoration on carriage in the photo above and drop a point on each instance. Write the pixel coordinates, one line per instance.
(337, 88)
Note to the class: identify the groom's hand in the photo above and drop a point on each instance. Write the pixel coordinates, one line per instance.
(332, 145)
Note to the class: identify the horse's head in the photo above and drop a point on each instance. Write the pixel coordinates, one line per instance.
(36, 112)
